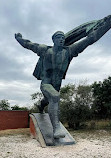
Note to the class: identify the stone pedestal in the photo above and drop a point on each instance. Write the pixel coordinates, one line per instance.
(41, 129)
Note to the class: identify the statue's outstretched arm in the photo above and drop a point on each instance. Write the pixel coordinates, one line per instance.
(79, 47)
(26, 43)
(94, 35)
(36, 48)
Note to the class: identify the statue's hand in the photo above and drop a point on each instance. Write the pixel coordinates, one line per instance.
(18, 35)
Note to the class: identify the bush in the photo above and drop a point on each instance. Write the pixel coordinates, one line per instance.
(75, 104)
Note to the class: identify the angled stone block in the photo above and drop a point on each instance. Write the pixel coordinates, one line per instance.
(41, 129)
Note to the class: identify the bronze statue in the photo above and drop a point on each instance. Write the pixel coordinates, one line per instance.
(54, 62)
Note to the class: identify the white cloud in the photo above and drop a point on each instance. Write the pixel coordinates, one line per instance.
(37, 20)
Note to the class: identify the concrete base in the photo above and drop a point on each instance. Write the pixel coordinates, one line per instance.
(41, 129)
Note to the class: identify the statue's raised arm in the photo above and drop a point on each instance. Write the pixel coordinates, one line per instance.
(35, 47)
(93, 31)
(85, 29)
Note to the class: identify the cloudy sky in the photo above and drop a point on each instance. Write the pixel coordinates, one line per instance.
(37, 20)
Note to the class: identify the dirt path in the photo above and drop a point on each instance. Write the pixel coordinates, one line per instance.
(18, 144)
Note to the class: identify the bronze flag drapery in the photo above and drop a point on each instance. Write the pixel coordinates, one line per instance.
(83, 30)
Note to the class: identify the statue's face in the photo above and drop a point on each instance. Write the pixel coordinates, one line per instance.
(59, 40)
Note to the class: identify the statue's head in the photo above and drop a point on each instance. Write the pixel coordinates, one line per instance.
(58, 38)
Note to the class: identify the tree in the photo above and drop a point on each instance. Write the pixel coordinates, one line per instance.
(66, 104)
(102, 98)
(4, 105)
(75, 106)
(16, 107)
(36, 97)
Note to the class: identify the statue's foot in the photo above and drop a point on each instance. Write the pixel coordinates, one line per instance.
(58, 133)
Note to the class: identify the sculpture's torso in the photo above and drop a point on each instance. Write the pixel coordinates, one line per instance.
(55, 65)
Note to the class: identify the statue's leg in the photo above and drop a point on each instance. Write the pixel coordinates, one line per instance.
(53, 108)
(44, 102)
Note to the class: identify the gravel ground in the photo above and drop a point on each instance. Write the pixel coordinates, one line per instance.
(94, 144)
